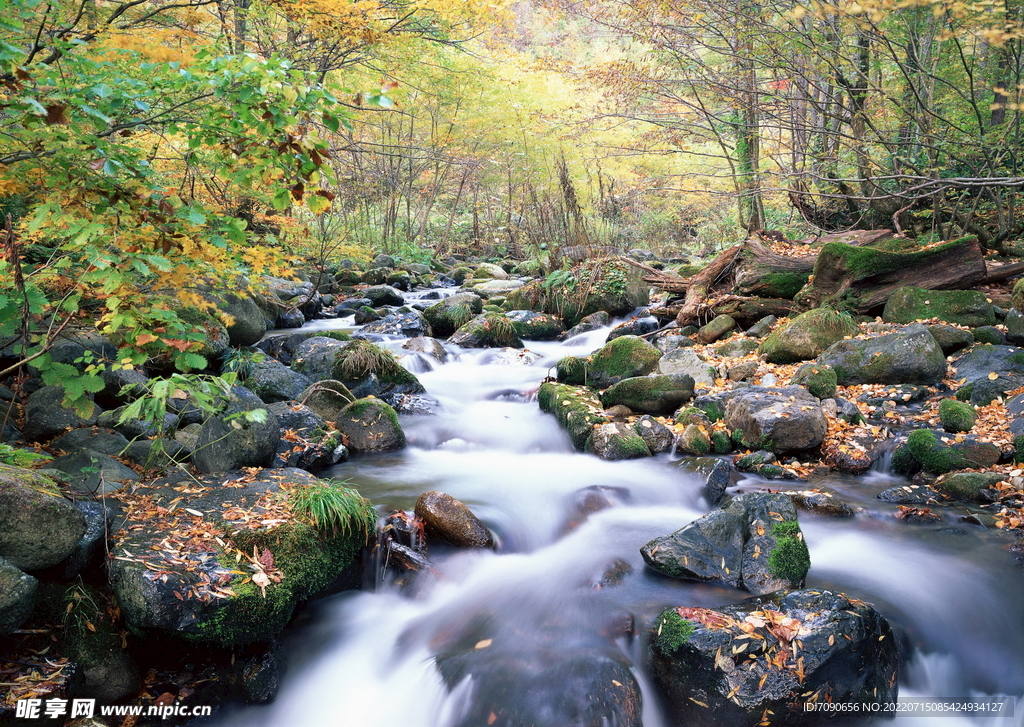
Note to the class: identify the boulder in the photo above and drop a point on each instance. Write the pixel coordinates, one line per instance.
(807, 336)
(248, 322)
(326, 399)
(637, 326)
(489, 330)
(656, 435)
(90, 550)
(98, 440)
(820, 503)
(939, 453)
(779, 420)
(714, 474)
(410, 324)
(652, 394)
(594, 321)
(694, 440)
(950, 338)
(736, 348)
(91, 472)
(369, 370)
(314, 357)
(1014, 327)
(17, 597)
(715, 328)
(969, 486)
(818, 379)
(489, 271)
(846, 653)
(536, 326)
(452, 313)
(232, 439)
(964, 307)
(990, 335)
(708, 549)
(576, 409)
(38, 527)
(685, 361)
(617, 440)
(910, 356)
(383, 295)
(980, 361)
(623, 358)
(956, 416)
(203, 593)
(428, 347)
(46, 417)
(492, 288)
(371, 425)
(272, 381)
(448, 519)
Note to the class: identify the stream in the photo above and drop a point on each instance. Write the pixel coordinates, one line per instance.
(366, 658)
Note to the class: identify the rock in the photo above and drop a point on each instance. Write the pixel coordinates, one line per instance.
(950, 338)
(623, 358)
(314, 357)
(452, 313)
(497, 287)
(1014, 327)
(248, 324)
(536, 326)
(775, 555)
(694, 440)
(761, 463)
(969, 486)
(671, 342)
(46, 417)
(956, 416)
(818, 379)
(312, 560)
(708, 549)
(737, 348)
(742, 372)
(779, 420)
(91, 547)
(311, 451)
(656, 435)
(272, 381)
(511, 357)
(259, 676)
(371, 425)
(617, 440)
(289, 318)
(490, 330)
(964, 307)
(232, 440)
(91, 472)
(979, 361)
(369, 370)
(326, 399)
(383, 295)
(17, 597)
(489, 271)
(382, 260)
(428, 347)
(807, 336)
(594, 321)
(910, 356)
(910, 495)
(448, 519)
(366, 315)
(938, 457)
(297, 417)
(585, 686)
(990, 335)
(716, 328)
(848, 650)
(399, 280)
(763, 327)
(91, 438)
(685, 361)
(820, 503)
(576, 408)
(636, 326)
(410, 325)
(715, 474)
(130, 381)
(38, 527)
(652, 394)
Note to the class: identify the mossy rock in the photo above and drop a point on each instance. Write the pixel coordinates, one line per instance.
(371, 425)
(990, 335)
(807, 336)
(909, 356)
(963, 307)
(694, 440)
(950, 338)
(933, 455)
(572, 370)
(622, 358)
(956, 416)
(490, 330)
(360, 359)
(818, 379)
(670, 632)
(447, 316)
(654, 394)
(968, 486)
(536, 326)
(576, 409)
(617, 441)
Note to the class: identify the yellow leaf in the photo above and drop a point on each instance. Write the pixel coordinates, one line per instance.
(993, 376)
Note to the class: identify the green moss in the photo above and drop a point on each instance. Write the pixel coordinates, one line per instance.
(361, 358)
(572, 370)
(671, 631)
(371, 405)
(964, 392)
(721, 442)
(692, 415)
(966, 307)
(629, 446)
(336, 335)
(688, 271)
(956, 416)
(820, 380)
(782, 285)
(770, 471)
(621, 358)
(807, 335)
(1017, 358)
(932, 454)
(714, 410)
(864, 261)
(1018, 446)
(789, 559)
(501, 332)
(575, 408)
(903, 461)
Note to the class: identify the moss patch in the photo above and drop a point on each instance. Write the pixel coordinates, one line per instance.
(576, 409)
(956, 416)
(932, 454)
(671, 631)
(789, 559)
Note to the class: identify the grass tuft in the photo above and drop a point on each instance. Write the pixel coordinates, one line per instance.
(332, 505)
(362, 358)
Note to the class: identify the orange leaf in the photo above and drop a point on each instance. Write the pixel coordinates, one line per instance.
(143, 338)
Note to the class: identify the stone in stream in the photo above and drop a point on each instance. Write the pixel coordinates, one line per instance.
(371, 425)
(583, 686)
(656, 435)
(969, 486)
(715, 475)
(651, 394)
(780, 420)
(272, 381)
(17, 596)
(409, 324)
(637, 326)
(536, 326)
(489, 330)
(38, 527)
(807, 335)
(812, 646)
(909, 356)
(575, 407)
(754, 543)
(820, 503)
(617, 440)
(600, 319)
(428, 347)
(621, 358)
(448, 519)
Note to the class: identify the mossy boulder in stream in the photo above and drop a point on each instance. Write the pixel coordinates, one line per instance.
(652, 394)
(710, 671)
(450, 314)
(576, 408)
(38, 527)
(621, 358)
(938, 457)
(227, 565)
(371, 425)
(807, 335)
(964, 307)
(909, 356)
(617, 440)
(956, 416)
(490, 330)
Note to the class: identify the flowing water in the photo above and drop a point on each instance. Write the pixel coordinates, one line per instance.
(367, 658)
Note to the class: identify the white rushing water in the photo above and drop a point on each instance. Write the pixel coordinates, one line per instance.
(369, 658)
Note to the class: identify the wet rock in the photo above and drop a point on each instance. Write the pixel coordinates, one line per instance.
(1014, 327)
(940, 453)
(314, 357)
(989, 335)
(979, 361)
(694, 440)
(545, 687)
(715, 474)
(272, 381)
(38, 527)
(536, 326)
(780, 420)
(847, 655)
(600, 319)
(617, 440)
(910, 356)
(232, 440)
(17, 597)
(248, 322)
(708, 549)
(820, 503)
(685, 361)
(635, 327)
(289, 318)
(910, 495)
(818, 379)
(512, 357)
(383, 295)
(807, 336)
(576, 408)
(623, 358)
(89, 551)
(652, 394)
(969, 486)
(489, 330)
(656, 435)
(371, 425)
(448, 519)
(369, 370)
(259, 676)
(899, 395)
(46, 417)
(452, 313)
(91, 438)
(410, 325)
(715, 329)
(950, 338)
(428, 347)
(92, 472)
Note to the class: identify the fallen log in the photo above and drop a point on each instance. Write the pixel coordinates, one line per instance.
(704, 282)
(860, 278)
(762, 273)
